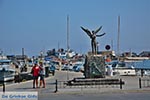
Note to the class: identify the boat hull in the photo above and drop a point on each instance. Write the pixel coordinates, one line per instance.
(125, 72)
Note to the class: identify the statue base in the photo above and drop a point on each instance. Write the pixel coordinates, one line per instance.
(94, 66)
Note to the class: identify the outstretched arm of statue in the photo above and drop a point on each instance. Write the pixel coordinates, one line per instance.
(87, 31)
(96, 31)
(100, 35)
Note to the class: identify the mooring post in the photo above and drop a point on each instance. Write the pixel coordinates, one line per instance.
(140, 85)
(56, 87)
(3, 87)
(120, 83)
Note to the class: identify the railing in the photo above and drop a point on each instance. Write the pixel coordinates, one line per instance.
(89, 83)
(144, 82)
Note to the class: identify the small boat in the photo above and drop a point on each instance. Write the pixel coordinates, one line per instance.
(6, 73)
(120, 68)
(123, 68)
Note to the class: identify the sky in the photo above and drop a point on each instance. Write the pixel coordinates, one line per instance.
(41, 25)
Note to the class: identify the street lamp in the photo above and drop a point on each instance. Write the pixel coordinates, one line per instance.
(97, 46)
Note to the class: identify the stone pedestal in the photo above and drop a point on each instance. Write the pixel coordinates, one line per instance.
(94, 66)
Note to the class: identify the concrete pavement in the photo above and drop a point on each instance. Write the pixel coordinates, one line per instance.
(131, 87)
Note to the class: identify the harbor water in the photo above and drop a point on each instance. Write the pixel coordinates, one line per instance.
(143, 64)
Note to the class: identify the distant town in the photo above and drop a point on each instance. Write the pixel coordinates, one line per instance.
(63, 55)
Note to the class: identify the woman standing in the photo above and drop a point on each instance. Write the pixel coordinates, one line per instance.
(42, 80)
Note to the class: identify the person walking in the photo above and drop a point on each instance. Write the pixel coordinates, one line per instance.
(35, 73)
(41, 74)
(52, 68)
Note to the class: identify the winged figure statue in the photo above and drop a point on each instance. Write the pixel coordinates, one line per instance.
(93, 35)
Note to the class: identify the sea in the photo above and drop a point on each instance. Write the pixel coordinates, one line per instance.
(142, 64)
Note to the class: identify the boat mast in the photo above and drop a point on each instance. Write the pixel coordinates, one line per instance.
(68, 33)
(118, 40)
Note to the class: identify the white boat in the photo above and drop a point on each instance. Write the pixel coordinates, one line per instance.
(123, 68)
(6, 73)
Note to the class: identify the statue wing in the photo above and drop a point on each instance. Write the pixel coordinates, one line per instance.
(96, 31)
(87, 31)
(100, 35)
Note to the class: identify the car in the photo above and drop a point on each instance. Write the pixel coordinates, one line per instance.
(67, 67)
(78, 67)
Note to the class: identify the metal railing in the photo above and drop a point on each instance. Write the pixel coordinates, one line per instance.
(115, 83)
(144, 82)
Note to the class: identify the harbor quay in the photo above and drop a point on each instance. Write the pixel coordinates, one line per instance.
(130, 90)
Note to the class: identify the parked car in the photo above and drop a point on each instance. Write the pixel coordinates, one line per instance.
(67, 67)
(78, 67)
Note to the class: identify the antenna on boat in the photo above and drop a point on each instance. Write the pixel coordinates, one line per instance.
(1, 52)
(112, 48)
(58, 45)
(23, 53)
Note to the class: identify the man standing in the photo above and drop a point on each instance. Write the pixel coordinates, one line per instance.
(35, 73)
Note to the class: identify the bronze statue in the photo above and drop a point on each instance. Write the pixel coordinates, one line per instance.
(93, 36)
